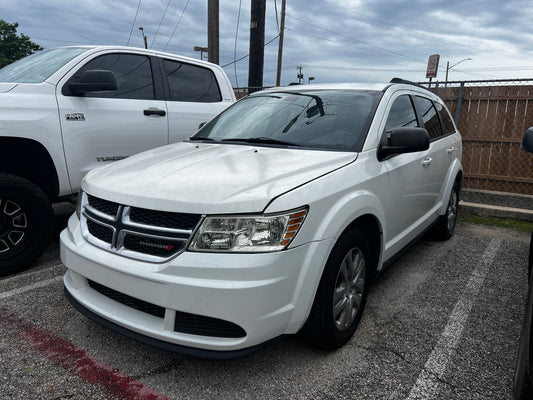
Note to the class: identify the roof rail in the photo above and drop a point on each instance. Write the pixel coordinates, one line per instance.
(406, 82)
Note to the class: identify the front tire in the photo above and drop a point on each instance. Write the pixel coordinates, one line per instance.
(342, 292)
(445, 227)
(26, 223)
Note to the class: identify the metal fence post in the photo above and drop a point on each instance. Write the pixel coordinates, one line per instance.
(459, 102)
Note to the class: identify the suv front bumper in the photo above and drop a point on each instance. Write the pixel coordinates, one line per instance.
(261, 295)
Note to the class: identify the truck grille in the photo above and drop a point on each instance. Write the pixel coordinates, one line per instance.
(133, 232)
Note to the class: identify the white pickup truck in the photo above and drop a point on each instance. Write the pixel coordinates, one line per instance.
(67, 110)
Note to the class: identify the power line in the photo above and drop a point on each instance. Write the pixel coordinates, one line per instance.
(159, 26)
(133, 23)
(247, 55)
(392, 53)
(177, 23)
(235, 47)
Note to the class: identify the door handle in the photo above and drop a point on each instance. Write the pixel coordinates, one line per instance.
(450, 150)
(427, 162)
(155, 111)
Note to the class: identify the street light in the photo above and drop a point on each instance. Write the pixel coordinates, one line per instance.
(311, 78)
(144, 37)
(201, 50)
(448, 67)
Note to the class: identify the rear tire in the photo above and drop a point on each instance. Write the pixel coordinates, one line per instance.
(26, 222)
(341, 295)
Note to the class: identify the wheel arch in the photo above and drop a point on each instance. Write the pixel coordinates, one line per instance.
(30, 160)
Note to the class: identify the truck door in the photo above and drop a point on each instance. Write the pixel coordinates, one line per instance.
(99, 127)
(194, 97)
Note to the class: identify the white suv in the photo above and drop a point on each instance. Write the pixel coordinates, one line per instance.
(273, 218)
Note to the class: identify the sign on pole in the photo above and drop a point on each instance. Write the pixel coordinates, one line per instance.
(433, 66)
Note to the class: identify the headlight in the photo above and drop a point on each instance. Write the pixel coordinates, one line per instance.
(78, 203)
(248, 233)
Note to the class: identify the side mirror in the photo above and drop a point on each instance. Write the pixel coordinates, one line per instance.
(404, 140)
(527, 142)
(94, 81)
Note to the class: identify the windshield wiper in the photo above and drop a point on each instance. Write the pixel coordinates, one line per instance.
(201, 138)
(261, 139)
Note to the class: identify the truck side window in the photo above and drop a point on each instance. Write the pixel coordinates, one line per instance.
(189, 82)
(401, 114)
(429, 115)
(133, 73)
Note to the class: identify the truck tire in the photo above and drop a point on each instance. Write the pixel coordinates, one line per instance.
(26, 222)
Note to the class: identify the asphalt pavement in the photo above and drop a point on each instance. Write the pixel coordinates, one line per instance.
(442, 322)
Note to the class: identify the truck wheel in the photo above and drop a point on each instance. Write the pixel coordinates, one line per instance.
(342, 292)
(26, 222)
(445, 226)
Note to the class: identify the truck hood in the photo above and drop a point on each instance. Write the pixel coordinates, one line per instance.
(210, 178)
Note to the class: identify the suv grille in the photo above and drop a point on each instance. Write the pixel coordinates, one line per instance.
(138, 233)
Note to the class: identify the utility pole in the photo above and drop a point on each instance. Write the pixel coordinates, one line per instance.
(257, 45)
(212, 31)
(280, 46)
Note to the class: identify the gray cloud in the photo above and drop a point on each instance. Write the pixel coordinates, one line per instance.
(333, 40)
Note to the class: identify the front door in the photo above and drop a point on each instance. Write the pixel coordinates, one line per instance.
(101, 127)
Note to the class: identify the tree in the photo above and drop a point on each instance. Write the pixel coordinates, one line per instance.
(13, 46)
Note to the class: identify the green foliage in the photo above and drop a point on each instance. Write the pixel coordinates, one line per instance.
(13, 46)
(521, 226)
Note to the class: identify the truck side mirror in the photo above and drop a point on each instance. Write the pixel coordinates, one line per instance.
(94, 81)
(527, 142)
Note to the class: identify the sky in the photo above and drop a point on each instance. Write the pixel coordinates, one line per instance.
(332, 40)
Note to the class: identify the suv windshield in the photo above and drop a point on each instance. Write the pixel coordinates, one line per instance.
(321, 119)
(39, 66)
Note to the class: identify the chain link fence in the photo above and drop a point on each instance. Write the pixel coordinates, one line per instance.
(492, 117)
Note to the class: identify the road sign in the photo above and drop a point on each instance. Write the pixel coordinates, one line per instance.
(433, 66)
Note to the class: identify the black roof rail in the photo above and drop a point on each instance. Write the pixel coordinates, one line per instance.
(406, 82)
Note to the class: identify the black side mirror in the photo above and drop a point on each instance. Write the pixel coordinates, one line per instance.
(527, 142)
(94, 81)
(404, 140)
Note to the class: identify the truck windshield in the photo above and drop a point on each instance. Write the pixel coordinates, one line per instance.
(321, 119)
(39, 66)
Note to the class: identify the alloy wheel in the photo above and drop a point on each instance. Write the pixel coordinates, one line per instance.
(349, 289)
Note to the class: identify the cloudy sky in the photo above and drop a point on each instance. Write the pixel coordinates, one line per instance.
(333, 40)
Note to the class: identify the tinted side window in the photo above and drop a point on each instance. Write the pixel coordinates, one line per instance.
(401, 114)
(191, 83)
(429, 115)
(132, 72)
(446, 119)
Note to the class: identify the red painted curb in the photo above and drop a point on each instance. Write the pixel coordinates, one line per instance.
(77, 362)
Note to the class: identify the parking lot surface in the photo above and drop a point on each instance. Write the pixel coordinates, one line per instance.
(442, 322)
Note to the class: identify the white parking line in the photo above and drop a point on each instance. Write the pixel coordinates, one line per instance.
(430, 378)
(28, 288)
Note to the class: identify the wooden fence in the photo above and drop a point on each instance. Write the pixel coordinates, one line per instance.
(493, 117)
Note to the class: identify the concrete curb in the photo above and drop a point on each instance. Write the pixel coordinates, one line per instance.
(488, 210)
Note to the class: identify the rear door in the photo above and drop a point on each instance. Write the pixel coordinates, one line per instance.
(438, 157)
(194, 97)
(101, 127)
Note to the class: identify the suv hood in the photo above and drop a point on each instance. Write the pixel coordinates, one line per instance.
(6, 87)
(210, 178)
